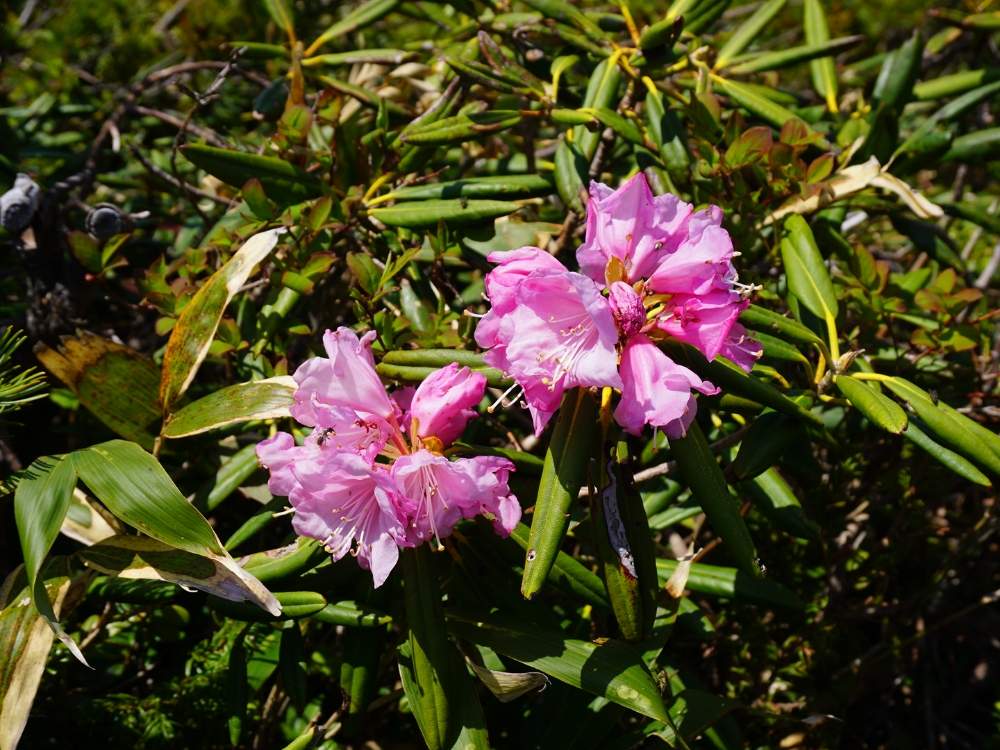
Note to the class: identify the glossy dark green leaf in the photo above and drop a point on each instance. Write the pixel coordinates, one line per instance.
(764, 444)
(494, 186)
(879, 408)
(283, 183)
(954, 428)
(792, 56)
(748, 31)
(761, 318)
(413, 374)
(611, 669)
(364, 15)
(461, 128)
(568, 572)
(564, 472)
(954, 461)
(731, 583)
(776, 500)
(702, 474)
(808, 278)
(417, 214)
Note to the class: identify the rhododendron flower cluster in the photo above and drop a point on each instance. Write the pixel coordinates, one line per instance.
(651, 268)
(371, 476)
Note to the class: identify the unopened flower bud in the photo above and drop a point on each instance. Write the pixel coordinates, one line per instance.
(18, 205)
(105, 221)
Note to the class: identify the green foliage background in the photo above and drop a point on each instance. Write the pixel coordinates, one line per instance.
(875, 622)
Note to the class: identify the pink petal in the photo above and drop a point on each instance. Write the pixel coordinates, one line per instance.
(432, 490)
(630, 224)
(442, 404)
(657, 391)
(741, 349)
(630, 315)
(346, 379)
(697, 266)
(276, 454)
(703, 321)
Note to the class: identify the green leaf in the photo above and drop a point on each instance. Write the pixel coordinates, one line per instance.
(472, 126)
(792, 56)
(976, 147)
(40, 505)
(949, 111)
(25, 642)
(570, 448)
(429, 213)
(362, 16)
(281, 13)
(766, 109)
(352, 615)
(691, 713)
(434, 358)
(767, 440)
(136, 489)
(259, 399)
(234, 471)
(954, 83)
(284, 183)
(702, 474)
(879, 408)
(429, 666)
(611, 669)
(748, 31)
(773, 497)
(568, 572)
(894, 85)
(192, 335)
(117, 384)
(807, 276)
(373, 55)
(493, 186)
(625, 546)
(761, 318)
(954, 428)
(954, 461)
(408, 374)
(731, 583)
(824, 74)
(359, 672)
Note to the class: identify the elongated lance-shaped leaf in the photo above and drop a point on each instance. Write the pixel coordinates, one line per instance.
(258, 399)
(768, 438)
(568, 572)
(954, 461)
(362, 16)
(718, 580)
(954, 83)
(195, 328)
(434, 358)
(564, 472)
(766, 109)
(283, 183)
(624, 545)
(611, 669)
(792, 56)
(417, 214)
(808, 279)
(879, 408)
(25, 642)
(363, 649)
(824, 75)
(748, 31)
(774, 498)
(281, 13)
(954, 428)
(41, 501)
(763, 319)
(434, 677)
(702, 474)
(136, 489)
(493, 186)
(409, 374)
(461, 128)
(949, 111)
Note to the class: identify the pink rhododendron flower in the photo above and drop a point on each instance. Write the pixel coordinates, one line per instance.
(652, 269)
(371, 478)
